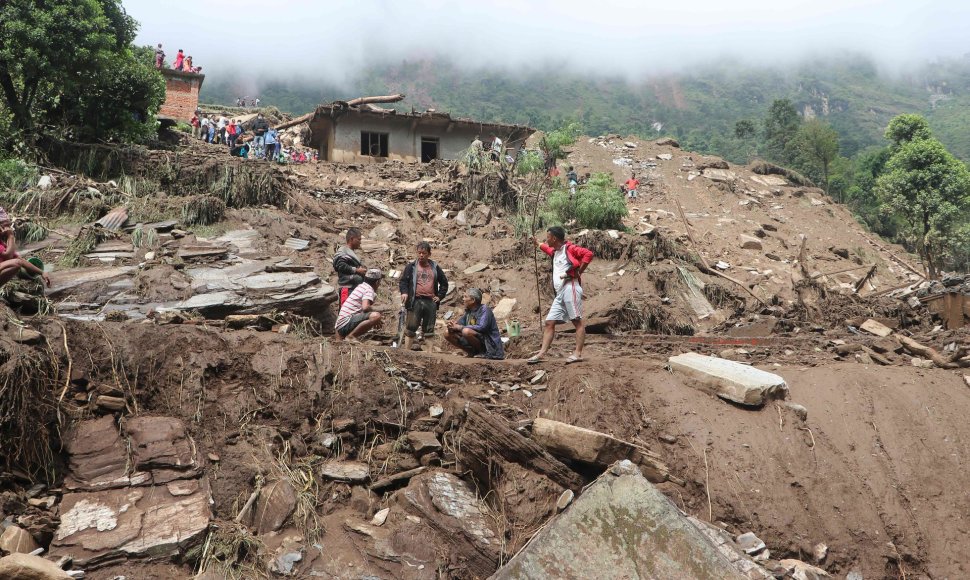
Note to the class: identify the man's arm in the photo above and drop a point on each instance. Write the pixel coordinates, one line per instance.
(365, 305)
(442, 282)
(404, 286)
(342, 265)
(542, 246)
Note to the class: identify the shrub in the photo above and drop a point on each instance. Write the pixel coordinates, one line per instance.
(598, 205)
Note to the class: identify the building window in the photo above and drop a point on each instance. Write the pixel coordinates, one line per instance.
(373, 144)
(429, 149)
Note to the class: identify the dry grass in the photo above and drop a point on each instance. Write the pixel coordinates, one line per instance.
(232, 549)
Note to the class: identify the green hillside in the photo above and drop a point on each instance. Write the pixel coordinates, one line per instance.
(699, 107)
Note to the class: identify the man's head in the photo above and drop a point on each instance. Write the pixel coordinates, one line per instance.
(555, 236)
(353, 238)
(5, 221)
(570, 168)
(373, 277)
(633, 175)
(491, 135)
(159, 45)
(424, 253)
(472, 298)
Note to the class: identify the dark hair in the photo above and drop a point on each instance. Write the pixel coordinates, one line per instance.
(424, 246)
(570, 167)
(557, 232)
(353, 233)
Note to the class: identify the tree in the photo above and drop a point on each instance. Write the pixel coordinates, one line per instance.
(927, 189)
(818, 145)
(52, 54)
(780, 127)
(744, 129)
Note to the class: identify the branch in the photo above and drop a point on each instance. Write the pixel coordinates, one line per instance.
(944, 362)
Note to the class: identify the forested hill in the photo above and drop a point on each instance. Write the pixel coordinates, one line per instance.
(700, 107)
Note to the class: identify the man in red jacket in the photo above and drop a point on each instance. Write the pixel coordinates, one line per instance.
(569, 261)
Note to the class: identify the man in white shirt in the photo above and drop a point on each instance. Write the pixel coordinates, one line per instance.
(356, 315)
(496, 147)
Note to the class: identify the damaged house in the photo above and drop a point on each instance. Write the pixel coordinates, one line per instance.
(359, 131)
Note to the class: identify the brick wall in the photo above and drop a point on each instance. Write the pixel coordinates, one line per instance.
(181, 94)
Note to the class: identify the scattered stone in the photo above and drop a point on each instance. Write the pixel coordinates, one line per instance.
(16, 540)
(27, 336)
(436, 411)
(750, 242)
(922, 363)
(275, 504)
(854, 575)
(630, 145)
(722, 265)
(801, 571)
(475, 214)
(720, 175)
(348, 471)
(799, 410)
(876, 328)
(384, 232)
(28, 567)
(729, 380)
(213, 457)
(645, 532)
(565, 498)
(110, 403)
(726, 546)
(614, 234)
(863, 358)
(750, 543)
(728, 354)
(296, 244)
(668, 439)
(665, 156)
(423, 442)
(43, 502)
(397, 478)
(380, 517)
(476, 268)
(161, 443)
(667, 141)
(287, 556)
(381, 208)
(504, 308)
(816, 202)
(820, 551)
(44, 182)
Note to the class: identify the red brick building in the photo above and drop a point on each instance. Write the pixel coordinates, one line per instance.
(181, 94)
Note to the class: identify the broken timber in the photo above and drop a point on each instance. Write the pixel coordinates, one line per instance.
(485, 438)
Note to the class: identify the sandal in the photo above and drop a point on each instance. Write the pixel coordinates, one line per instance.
(573, 359)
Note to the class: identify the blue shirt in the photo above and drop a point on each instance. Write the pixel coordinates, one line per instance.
(271, 137)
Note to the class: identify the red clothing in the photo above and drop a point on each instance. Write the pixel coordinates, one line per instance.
(425, 281)
(632, 184)
(577, 256)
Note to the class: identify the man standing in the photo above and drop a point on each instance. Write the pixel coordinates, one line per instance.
(496, 148)
(631, 186)
(348, 266)
(195, 125)
(423, 286)
(356, 315)
(260, 126)
(569, 261)
(159, 56)
(271, 144)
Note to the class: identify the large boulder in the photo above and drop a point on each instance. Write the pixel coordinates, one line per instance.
(27, 567)
(729, 380)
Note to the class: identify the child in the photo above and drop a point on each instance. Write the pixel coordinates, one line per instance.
(10, 261)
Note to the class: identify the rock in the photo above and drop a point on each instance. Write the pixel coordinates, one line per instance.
(349, 471)
(105, 526)
(381, 208)
(665, 156)
(239, 321)
(595, 448)
(475, 214)
(726, 546)
(614, 234)
(436, 411)
(799, 410)
(802, 571)
(922, 363)
(623, 524)
(565, 498)
(423, 442)
(630, 145)
(876, 328)
(16, 540)
(722, 265)
(537, 377)
(109, 403)
(380, 517)
(769, 180)
(453, 510)
(820, 551)
(98, 457)
(275, 504)
(854, 575)
(816, 202)
(668, 439)
(296, 244)
(27, 567)
(504, 308)
(385, 232)
(720, 175)
(476, 268)
(729, 380)
(397, 478)
(840, 252)
(729, 354)
(287, 556)
(27, 336)
(667, 141)
(750, 242)
(44, 182)
(750, 543)
(161, 443)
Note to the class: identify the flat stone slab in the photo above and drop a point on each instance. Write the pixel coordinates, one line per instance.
(349, 471)
(729, 380)
(621, 526)
(877, 328)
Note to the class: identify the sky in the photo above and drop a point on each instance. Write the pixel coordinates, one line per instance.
(328, 39)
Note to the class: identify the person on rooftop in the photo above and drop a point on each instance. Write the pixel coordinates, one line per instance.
(179, 59)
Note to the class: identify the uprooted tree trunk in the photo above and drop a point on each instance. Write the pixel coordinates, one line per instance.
(953, 361)
(378, 99)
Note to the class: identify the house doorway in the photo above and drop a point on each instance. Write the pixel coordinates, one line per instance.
(429, 149)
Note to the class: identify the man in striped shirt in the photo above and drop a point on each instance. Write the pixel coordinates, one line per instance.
(356, 315)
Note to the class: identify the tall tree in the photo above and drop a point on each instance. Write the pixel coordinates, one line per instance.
(927, 188)
(780, 127)
(53, 52)
(818, 145)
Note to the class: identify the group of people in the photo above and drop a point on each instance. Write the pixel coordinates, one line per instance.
(11, 264)
(423, 286)
(182, 63)
(496, 149)
(241, 101)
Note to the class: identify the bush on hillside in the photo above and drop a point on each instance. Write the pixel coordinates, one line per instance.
(597, 204)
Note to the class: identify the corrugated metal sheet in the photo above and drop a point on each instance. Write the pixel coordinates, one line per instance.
(114, 219)
(297, 244)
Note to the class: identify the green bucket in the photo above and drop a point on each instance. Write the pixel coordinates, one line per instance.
(36, 262)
